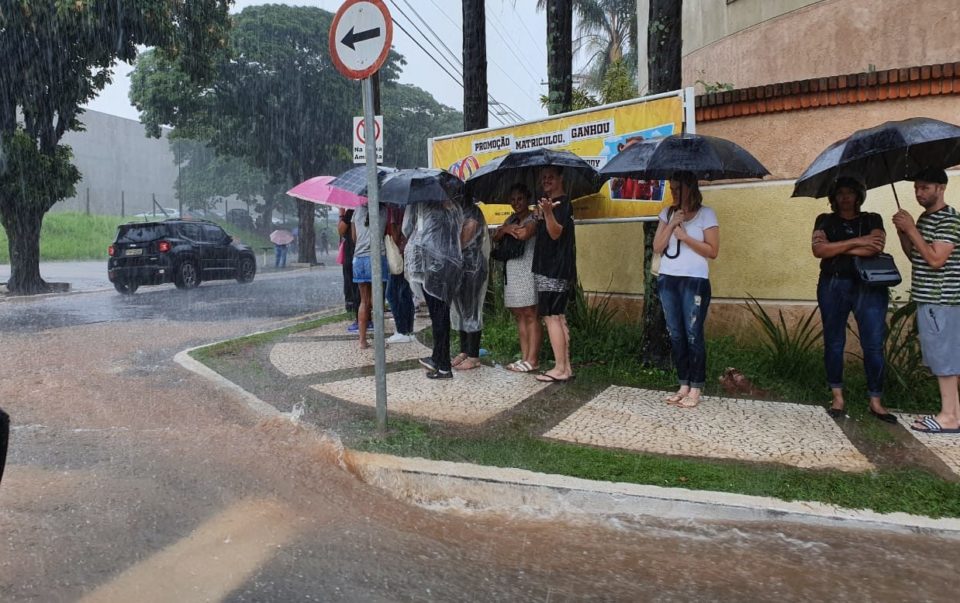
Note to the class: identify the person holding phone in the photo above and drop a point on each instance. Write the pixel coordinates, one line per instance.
(688, 237)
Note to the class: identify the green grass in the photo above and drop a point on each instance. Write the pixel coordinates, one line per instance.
(76, 236)
(885, 491)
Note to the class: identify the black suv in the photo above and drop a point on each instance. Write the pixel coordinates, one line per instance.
(183, 252)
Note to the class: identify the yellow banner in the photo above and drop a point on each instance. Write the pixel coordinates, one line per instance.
(595, 135)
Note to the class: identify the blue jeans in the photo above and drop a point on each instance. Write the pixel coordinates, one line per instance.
(280, 252)
(686, 300)
(401, 303)
(837, 297)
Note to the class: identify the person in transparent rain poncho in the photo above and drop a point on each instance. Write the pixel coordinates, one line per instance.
(433, 262)
(467, 307)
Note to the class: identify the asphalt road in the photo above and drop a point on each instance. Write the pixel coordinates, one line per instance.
(131, 479)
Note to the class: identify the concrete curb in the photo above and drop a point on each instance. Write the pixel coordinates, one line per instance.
(479, 488)
(443, 484)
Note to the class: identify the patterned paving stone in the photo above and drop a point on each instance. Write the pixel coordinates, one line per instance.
(945, 445)
(296, 358)
(471, 397)
(750, 430)
(340, 328)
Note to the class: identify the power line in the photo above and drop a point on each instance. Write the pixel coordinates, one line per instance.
(507, 44)
(496, 115)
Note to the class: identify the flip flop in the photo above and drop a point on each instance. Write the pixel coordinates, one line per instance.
(672, 400)
(545, 378)
(458, 359)
(932, 426)
(468, 364)
(837, 413)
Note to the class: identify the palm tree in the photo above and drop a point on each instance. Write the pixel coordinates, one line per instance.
(607, 32)
(474, 65)
(559, 55)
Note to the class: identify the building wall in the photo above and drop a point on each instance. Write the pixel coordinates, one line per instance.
(755, 42)
(122, 169)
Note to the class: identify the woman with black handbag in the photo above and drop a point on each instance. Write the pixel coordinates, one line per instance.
(515, 240)
(838, 239)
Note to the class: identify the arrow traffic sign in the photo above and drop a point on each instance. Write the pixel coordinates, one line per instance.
(360, 37)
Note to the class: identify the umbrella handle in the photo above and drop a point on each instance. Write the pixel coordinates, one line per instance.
(895, 197)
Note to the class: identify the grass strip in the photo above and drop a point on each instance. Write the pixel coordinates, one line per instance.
(885, 491)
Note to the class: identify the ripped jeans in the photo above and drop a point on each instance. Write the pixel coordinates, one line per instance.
(685, 302)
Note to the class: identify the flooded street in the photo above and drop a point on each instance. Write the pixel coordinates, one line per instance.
(132, 479)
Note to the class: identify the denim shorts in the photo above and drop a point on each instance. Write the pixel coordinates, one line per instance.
(363, 272)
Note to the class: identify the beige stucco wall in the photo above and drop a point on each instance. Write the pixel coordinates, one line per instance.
(765, 235)
(818, 39)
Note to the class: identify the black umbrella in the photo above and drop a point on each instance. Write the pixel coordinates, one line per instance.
(492, 182)
(420, 185)
(354, 180)
(707, 157)
(884, 154)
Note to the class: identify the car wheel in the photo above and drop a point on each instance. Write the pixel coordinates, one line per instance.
(126, 288)
(246, 270)
(187, 276)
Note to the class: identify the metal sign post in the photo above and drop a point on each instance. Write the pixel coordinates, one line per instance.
(360, 37)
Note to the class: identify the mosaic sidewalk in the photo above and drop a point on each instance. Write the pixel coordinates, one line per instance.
(723, 428)
(945, 446)
(339, 329)
(471, 397)
(296, 358)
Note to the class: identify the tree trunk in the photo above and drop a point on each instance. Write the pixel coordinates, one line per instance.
(664, 56)
(475, 110)
(307, 239)
(559, 56)
(23, 232)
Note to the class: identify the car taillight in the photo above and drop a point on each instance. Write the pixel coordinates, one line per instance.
(111, 251)
(163, 246)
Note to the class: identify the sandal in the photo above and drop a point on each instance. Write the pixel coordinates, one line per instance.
(688, 402)
(521, 366)
(672, 400)
(469, 363)
(458, 359)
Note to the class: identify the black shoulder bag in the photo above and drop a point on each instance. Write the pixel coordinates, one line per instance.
(877, 270)
(508, 248)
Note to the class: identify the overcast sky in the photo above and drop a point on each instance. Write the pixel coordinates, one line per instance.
(516, 54)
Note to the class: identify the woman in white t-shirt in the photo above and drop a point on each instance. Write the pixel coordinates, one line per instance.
(687, 237)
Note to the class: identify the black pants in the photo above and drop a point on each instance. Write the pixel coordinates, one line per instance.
(4, 438)
(470, 343)
(440, 323)
(351, 292)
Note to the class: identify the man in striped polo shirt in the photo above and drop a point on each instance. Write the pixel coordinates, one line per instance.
(933, 246)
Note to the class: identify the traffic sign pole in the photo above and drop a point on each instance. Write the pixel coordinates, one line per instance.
(359, 39)
(376, 265)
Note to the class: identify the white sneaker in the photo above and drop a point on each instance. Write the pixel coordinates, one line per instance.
(399, 338)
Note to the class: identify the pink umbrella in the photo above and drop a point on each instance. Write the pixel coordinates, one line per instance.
(281, 237)
(318, 190)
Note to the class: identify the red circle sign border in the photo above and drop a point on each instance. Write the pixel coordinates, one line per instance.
(361, 127)
(332, 41)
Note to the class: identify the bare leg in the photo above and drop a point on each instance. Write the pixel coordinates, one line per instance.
(522, 328)
(363, 313)
(560, 342)
(534, 336)
(949, 417)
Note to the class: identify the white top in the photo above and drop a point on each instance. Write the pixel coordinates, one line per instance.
(688, 262)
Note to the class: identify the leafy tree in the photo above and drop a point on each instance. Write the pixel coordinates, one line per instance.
(411, 116)
(54, 57)
(664, 52)
(617, 85)
(277, 101)
(581, 100)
